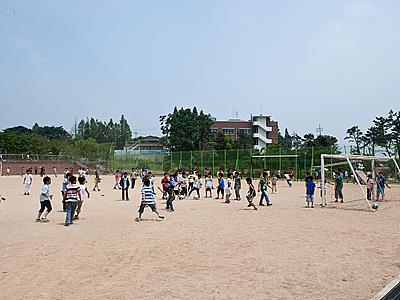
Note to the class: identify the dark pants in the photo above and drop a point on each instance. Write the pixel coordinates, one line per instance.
(170, 206)
(220, 190)
(125, 193)
(133, 180)
(369, 194)
(338, 194)
(45, 204)
(237, 193)
(195, 189)
(264, 195)
(191, 184)
(63, 201)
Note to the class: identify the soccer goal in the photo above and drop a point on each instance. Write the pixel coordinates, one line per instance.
(359, 167)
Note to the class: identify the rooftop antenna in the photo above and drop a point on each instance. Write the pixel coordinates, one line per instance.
(319, 130)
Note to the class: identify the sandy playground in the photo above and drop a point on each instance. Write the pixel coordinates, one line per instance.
(204, 250)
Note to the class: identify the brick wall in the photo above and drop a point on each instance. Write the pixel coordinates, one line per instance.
(20, 166)
(274, 134)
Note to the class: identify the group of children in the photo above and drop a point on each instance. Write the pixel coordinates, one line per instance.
(181, 185)
(73, 195)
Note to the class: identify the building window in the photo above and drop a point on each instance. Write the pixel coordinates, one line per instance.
(245, 131)
(228, 131)
(213, 130)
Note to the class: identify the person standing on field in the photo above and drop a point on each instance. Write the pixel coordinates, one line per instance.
(27, 182)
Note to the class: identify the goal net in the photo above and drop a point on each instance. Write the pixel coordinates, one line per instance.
(355, 171)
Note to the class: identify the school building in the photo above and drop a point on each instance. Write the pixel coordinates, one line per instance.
(262, 128)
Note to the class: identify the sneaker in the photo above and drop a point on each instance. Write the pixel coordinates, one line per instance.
(336, 201)
(66, 224)
(37, 220)
(261, 204)
(269, 204)
(45, 220)
(341, 201)
(2, 198)
(76, 217)
(161, 217)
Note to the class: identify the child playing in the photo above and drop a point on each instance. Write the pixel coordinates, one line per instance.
(83, 191)
(370, 187)
(97, 180)
(197, 186)
(221, 185)
(64, 184)
(251, 193)
(274, 181)
(165, 184)
(133, 177)
(228, 189)
(209, 185)
(191, 179)
(338, 186)
(171, 194)
(117, 177)
(71, 195)
(124, 185)
(380, 186)
(27, 182)
(310, 189)
(183, 186)
(44, 198)
(262, 187)
(238, 185)
(148, 199)
(288, 179)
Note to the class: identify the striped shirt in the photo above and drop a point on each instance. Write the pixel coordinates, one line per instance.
(148, 196)
(73, 191)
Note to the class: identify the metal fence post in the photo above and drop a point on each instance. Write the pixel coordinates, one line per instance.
(225, 160)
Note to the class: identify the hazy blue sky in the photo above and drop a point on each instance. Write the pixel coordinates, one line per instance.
(329, 62)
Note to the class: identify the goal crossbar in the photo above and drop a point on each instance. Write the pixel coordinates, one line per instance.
(275, 156)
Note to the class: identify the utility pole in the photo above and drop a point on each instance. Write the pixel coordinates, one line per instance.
(319, 130)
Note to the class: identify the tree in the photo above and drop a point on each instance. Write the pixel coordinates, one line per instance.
(379, 134)
(355, 136)
(244, 141)
(51, 132)
(185, 129)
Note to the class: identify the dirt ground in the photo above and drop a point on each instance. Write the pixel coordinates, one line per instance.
(204, 250)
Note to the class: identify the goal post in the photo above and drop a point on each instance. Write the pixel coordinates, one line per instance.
(347, 160)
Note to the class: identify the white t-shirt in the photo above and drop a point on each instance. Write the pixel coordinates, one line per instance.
(287, 176)
(199, 183)
(82, 191)
(43, 193)
(209, 182)
(27, 178)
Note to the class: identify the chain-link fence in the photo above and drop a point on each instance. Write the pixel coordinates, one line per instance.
(248, 161)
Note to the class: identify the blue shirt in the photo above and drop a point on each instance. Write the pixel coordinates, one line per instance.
(310, 187)
(221, 183)
(380, 182)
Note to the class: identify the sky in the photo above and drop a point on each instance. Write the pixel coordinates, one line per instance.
(333, 63)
